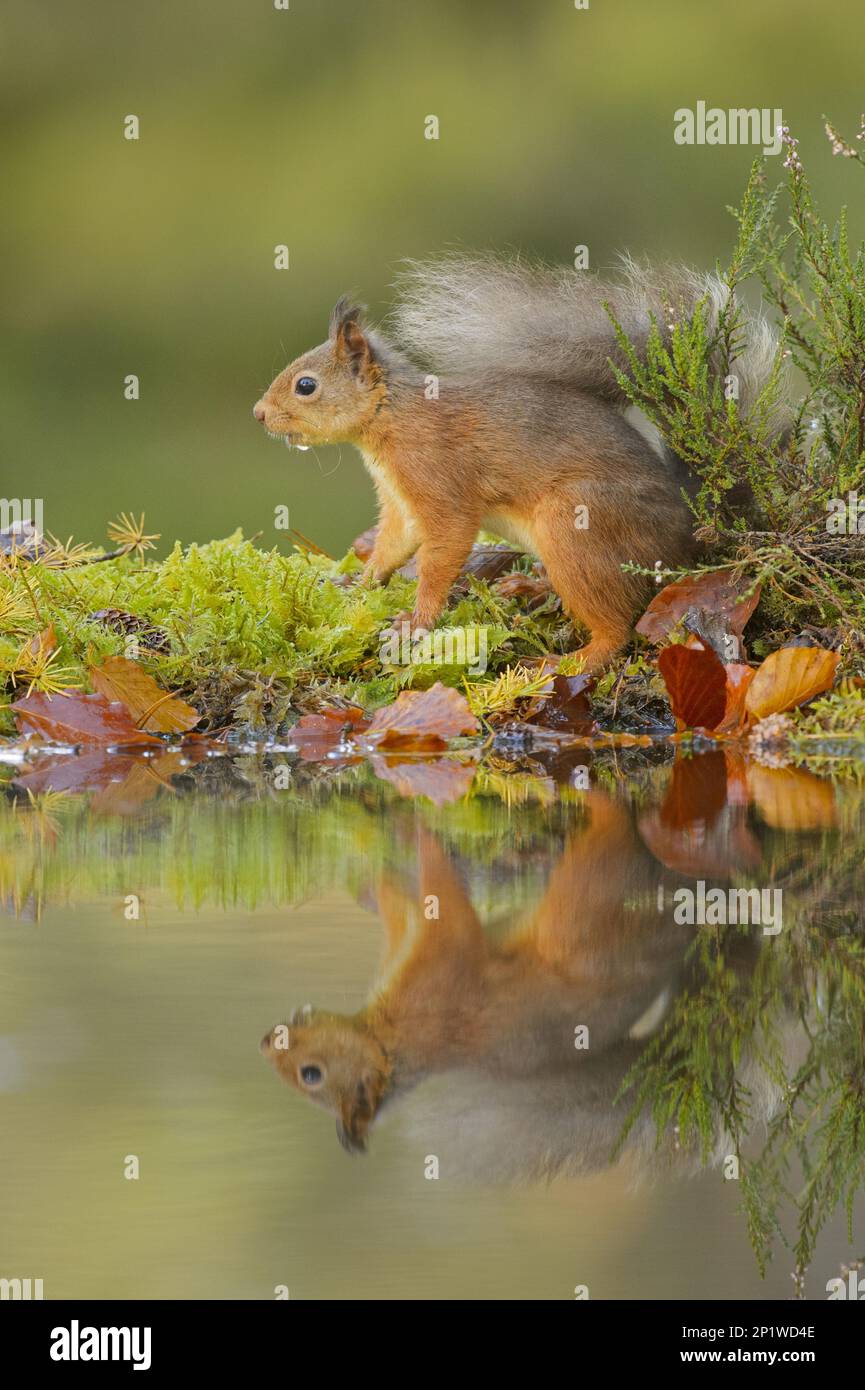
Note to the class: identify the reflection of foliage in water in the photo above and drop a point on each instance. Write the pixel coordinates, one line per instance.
(726, 1045)
(690, 1074)
(238, 841)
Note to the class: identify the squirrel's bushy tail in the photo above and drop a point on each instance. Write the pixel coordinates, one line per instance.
(481, 316)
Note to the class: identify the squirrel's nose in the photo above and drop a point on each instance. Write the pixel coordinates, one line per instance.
(259, 410)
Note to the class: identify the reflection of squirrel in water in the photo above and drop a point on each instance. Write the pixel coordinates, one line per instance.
(523, 434)
(594, 954)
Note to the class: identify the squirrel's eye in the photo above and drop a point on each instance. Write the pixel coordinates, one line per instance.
(310, 1076)
(305, 385)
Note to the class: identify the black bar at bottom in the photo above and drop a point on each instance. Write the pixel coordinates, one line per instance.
(157, 1338)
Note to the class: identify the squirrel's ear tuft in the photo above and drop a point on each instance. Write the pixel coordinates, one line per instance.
(344, 310)
(347, 335)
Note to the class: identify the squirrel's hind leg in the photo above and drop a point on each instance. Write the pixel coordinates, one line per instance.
(584, 568)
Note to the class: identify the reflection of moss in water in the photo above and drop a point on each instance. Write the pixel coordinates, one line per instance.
(723, 1074)
(691, 1075)
(247, 844)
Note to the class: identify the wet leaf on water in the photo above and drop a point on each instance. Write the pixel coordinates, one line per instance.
(738, 792)
(716, 593)
(122, 781)
(127, 796)
(91, 771)
(439, 711)
(697, 685)
(729, 847)
(788, 678)
(151, 707)
(700, 828)
(74, 718)
(441, 780)
(318, 735)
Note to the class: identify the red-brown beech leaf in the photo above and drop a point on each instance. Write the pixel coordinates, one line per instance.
(739, 677)
(697, 685)
(44, 642)
(715, 592)
(416, 714)
(74, 718)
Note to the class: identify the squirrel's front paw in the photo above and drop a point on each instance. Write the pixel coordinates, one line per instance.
(404, 625)
(369, 578)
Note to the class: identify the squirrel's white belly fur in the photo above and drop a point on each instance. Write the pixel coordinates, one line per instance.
(511, 528)
(386, 489)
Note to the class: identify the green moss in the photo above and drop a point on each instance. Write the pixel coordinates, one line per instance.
(250, 632)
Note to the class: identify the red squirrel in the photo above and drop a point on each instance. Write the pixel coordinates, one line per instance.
(514, 422)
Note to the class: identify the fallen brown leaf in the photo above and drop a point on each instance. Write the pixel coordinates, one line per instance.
(788, 678)
(440, 710)
(152, 708)
(44, 642)
(697, 685)
(74, 718)
(715, 593)
(738, 677)
(317, 735)
(567, 707)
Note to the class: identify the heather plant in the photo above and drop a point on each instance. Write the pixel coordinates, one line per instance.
(779, 472)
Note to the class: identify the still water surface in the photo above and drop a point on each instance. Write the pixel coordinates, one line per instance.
(484, 975)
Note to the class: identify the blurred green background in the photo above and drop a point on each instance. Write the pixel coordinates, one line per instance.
(306, 127)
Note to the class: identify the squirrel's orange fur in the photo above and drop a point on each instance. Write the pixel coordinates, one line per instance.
(454, 998)
(523, 426)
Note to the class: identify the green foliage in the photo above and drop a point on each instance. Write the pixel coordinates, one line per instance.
(249, 629)
(773, 478)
